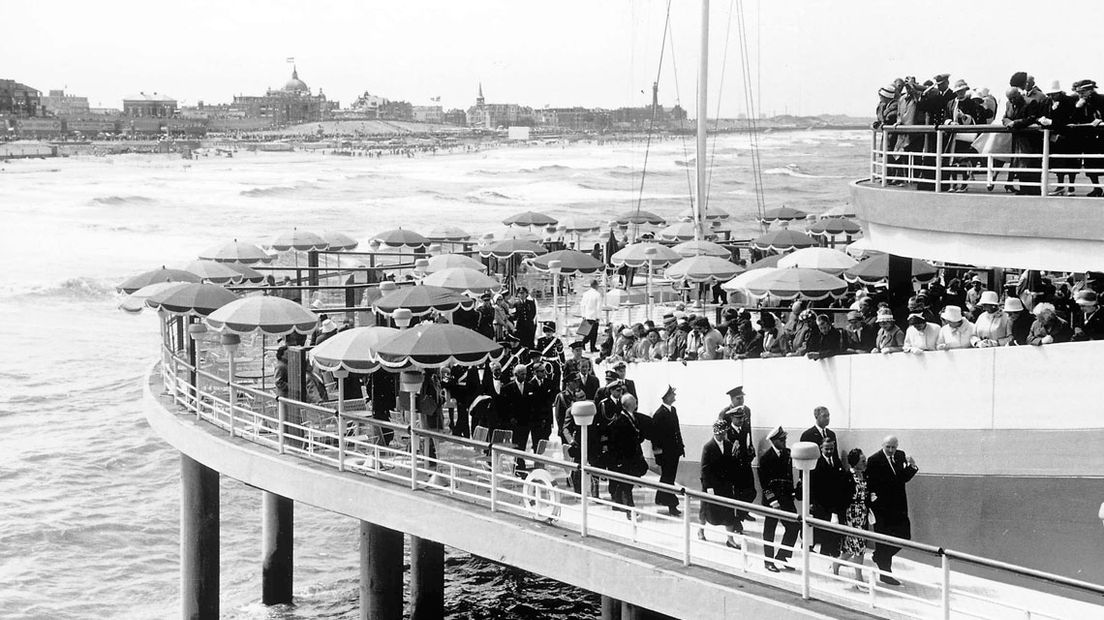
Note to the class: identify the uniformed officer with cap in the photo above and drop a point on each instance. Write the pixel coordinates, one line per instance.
(737, 416)
(668, 448)
(551, 351)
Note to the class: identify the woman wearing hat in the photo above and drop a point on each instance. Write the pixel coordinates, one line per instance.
(993, 328)
(890, 338)
(1019, 318)
(957, 332)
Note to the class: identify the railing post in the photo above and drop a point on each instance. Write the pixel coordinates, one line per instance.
(1044, 189)
(938, 160)
(584, 479)
(494, 479)
(340, 441)
(946, 585)
(990, 178)
(686, 538)
(873, 155)
(413, 456)
(806, 533)
(885, 157)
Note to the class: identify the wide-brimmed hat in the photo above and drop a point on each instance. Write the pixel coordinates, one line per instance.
(1055, 87)
(1013, 304)
(1081, 85)
(1086, 298)
(888, 91)
(328, 326)
(951, 314)
(960, 85)
(989, 298)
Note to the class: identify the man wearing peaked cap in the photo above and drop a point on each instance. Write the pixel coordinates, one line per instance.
(551, 350)
(622, 369)
(776, 480)
(668, 448)
(1088, 321)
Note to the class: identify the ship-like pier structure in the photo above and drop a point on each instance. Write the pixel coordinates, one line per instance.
(210, 396)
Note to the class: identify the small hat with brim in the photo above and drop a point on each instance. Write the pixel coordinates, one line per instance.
(989, 298)
(951, 314)
(720, 426)
(328, 326)
(884, 316)
(960, 85)
(1055, 87)
(1086, 298)
(916, 317)
(1013, 304)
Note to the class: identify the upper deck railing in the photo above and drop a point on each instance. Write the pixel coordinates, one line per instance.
(402, 451)
(1036, 160)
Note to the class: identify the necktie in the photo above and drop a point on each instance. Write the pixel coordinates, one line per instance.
(891, 467)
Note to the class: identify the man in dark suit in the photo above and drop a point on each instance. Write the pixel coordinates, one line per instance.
(776, 478)
(630, 386)
(819, 431)
(525, 317)
(667, 446)
(827, 496)
(741, 448)
(887, 471)
(516, 404)
(544, 389)
(589, 379)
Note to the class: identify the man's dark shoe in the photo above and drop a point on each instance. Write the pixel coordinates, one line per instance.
(771, 567)
(674, 511)
(889, 581)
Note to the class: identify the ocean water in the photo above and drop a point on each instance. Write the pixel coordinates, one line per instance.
(89, 496)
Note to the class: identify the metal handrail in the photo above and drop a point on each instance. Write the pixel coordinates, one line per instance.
(223, 411)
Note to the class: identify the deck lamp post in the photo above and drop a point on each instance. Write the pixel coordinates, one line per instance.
(650, 254)
(805, 455)
(196, 331)
(340, 374)
(556, 267)
(583, 412)
(231, 342)
(410, 381)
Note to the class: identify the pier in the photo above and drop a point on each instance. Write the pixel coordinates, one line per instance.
(646, 565)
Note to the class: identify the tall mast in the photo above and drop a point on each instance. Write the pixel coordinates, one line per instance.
(703, 82)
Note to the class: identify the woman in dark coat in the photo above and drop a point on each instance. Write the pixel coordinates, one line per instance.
(717, 469)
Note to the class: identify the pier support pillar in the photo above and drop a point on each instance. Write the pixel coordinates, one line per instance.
(381, 573)
(199, 540)
(427, 579)
(278, 535)
(611, 608)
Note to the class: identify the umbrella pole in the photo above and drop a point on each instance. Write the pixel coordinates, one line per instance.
(341, 419)
(648, 292)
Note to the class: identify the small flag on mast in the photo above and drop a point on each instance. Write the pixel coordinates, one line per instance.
(291, 59)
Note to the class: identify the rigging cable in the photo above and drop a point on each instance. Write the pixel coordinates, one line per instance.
(749, 99)
(655, 107)
(717, 115)
(682, 123)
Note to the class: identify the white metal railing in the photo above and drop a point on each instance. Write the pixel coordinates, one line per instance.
(473, 471)
(921, 154)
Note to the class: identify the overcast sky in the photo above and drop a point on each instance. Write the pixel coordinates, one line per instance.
(814, 56)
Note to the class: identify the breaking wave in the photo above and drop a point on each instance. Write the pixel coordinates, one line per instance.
(122, 200)
(796, 171)
(82, 287)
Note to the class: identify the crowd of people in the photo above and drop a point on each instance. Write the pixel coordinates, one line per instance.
(1071, 115)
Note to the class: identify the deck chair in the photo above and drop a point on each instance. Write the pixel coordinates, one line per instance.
(318, 426)
(480, 434)
(506, 464)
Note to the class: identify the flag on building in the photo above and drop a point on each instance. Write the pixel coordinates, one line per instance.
(437, 99)
(291, 59)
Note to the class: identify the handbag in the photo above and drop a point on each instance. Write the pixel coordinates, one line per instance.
(584, 328)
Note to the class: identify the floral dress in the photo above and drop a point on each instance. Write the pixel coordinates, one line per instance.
(856, 515)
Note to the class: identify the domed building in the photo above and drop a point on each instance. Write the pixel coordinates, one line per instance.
(289, 105)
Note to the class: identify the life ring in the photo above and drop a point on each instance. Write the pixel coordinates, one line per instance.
(540, 495)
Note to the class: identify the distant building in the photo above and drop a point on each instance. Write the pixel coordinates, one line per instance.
(574, 119)
(494, 115)
(57, 103)
(428, 113)
(368, 105)
(289, 105)
(19, 99)
(455, 116)
(153, 105)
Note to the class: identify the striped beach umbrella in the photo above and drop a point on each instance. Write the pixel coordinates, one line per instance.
(641, 254)
(236, 252)
(701, 248)
(401, 238)
(222, 273)
(299, 240)
(448, 261)
(191, 299)
(338, 241)
(711, 214)
(448, 233)
(571, 261)
(136, 301)
(875, 270)
(463, 280)
(783, 240)
(421, 300)
(683, 231)
(353, 350)
(833, 226)
(272, 316)
(164, 274)
(639, 216)
(530, 218)
(579, 224)
(703, 269)
(796, 283)
(783, 214)
(512, 247)
(434, 345)
(825, 259)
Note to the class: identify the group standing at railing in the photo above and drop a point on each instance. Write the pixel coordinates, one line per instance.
(954, 152)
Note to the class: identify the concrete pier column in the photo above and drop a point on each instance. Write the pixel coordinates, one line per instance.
(381, 573)
(611, 608)
(199, 540)
(278, 535)
(427, 579)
